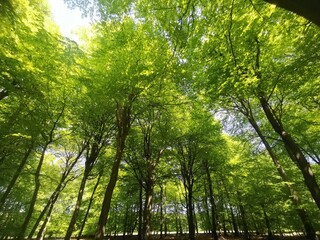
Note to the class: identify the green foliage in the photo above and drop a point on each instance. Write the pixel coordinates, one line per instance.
(178, 65)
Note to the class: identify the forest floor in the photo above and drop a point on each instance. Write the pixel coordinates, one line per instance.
(204, 236)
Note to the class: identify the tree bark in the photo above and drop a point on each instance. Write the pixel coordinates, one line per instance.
(92, 154)
(233, 219)
(123, 125)
(125, 224)
(53, 198)
(48, 140)
(190, 212)
(140, 212)
(291, 192)
(266, 218)
(3, 94)
(44, 225)
(35, 192)
(15, 176)
(187, 159)
(308, 9)
(161, 211)
(245, 229)
(147, 209)
(78, 204)
(208, 225)
(213, 205)
(293, 150)
(89, 207)
(149, 184)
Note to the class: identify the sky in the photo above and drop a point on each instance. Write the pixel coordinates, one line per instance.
(68, 20)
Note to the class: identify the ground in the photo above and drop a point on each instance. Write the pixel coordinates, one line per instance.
(209, 237)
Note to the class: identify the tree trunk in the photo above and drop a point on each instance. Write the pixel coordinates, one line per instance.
(213, 205)
(123, 125)
(161, 211)
(266, 218)
(89, 206)
(44, 225)
(3, 94)
(35, 193)
(291, 192)
(147, 209)
(176, 217)
(294, 151)
(245, 229)
(190, 212)
(78, 204)
(233, 219)
(308, 227)
(165, 222)
(15, 176)
(53, 198)
(140, 213)
(48, 141)
(225, 233)
(92, 154)
(195, 218)
(125, 225)
(149, 185)
(308, 9)
(208, 224)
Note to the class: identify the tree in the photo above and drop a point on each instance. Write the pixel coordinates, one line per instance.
(132, 73)
(260, 76)
(195, 134)
(307, 9)
(120, 132)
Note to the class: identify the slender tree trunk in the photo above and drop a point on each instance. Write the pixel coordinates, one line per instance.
(180, 226)
(48, 141)
(52, 200)
(78, 204)
(190, 212)
(176, 218)
(149, 185)
(125, 225)
(245, 229)
(195, 218)
(89, 206)
(266, 218)
(123, 124)
(44, 225)
(207, 218)
(308, 227)
(234, 224)
(225, 233)
(165, 222)
(213, 205)
(50, 203)
(107, 197)
(48, 206)
(161, 212)
(140, 213)
(133, 219)
(233, 219)
(35, 193)
(294, 151)
(147, 209)
(15, 176)
(92, 154)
